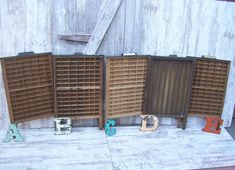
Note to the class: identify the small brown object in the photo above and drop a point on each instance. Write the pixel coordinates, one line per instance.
(144, 123)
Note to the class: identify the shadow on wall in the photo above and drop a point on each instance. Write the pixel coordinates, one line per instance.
(234, 111)
(231, 130)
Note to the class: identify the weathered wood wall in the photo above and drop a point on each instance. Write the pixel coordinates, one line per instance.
(158, 27)
(24, 26)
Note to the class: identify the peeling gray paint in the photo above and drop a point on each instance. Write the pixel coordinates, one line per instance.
(182, 27)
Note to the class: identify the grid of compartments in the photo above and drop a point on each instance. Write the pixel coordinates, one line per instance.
(29, 87)
(78, 86)
(125, 85)
(209, 86)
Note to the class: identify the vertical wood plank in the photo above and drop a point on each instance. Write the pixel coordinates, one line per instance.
(66, 18)
(101, 27)
(138, 27)
(113, 42)
(129, 32)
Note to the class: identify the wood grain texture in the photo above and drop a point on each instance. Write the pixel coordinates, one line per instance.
(129, 148)
(23, 27)
(209, 87)
(78, 87)
(102, 26)
(75, 37)
(7, 91)
(170, 148)
(29, 86)
(83, 149)
(156, 27)
(125, 85)
(167, 87)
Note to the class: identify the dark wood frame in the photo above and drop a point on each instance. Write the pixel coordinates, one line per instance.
(107, 86)
(7, 89)
(226, 81)
(100, 115)
(182, 119)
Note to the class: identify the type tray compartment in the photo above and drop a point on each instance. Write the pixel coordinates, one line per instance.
(168, 87)
(78, 87)
(209, 87)
(125, 85)
(29, 86)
